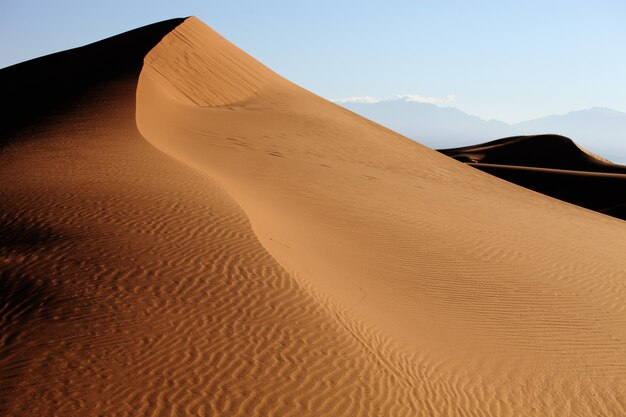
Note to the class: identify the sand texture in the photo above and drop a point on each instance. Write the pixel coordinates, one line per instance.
(201, 237)
(553, 165)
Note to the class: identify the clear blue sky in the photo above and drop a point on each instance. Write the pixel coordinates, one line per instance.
(510, 60)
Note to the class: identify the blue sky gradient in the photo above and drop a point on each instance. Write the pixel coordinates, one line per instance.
(509, 60)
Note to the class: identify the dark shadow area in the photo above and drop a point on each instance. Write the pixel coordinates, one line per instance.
(20, 297)
(552, 165)
(618, 211)
(20, 293)
(541, 151)
(46, 86)
(595, 191)
(27, 305)
(19, 235)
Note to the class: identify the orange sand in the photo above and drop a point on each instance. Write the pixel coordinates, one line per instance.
(254, 250)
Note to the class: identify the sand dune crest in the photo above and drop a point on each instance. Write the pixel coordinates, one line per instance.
(194, 52)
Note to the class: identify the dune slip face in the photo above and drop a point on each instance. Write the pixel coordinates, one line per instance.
(206, 238)
(552, 165)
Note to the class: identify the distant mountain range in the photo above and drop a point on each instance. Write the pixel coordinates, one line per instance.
(598, 129)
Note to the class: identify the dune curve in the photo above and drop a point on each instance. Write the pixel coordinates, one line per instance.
(447, 270)
(206, 238)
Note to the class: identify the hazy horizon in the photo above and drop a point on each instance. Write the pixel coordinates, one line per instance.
(439, 125)
(446, 102)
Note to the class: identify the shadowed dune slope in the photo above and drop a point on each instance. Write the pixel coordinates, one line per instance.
(283, 256)
(48, 86)
(553, 165)
(541, 151)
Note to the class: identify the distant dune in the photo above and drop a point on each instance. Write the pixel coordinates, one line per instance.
(600, 129)
(200, 236)
(552, 165)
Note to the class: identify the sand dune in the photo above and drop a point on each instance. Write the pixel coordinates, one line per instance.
(206, 238)
(553, 165)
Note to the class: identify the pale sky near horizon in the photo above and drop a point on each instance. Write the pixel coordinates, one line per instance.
(508, 60)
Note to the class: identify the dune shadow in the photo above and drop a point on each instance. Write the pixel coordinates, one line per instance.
(26, 235)
(552, 165)
(49, 85)
(21, 295)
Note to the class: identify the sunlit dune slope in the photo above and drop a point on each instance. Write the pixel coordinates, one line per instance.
(254, 250)
(514, 297)
(553, 165)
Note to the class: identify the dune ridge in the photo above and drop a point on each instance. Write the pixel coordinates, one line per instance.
(283, 256)
(227, 78)
(540, 151)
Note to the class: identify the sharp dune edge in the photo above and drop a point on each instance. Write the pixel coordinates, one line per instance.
(543, 151)
(553, 165)
(213, 240)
